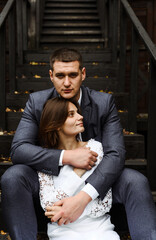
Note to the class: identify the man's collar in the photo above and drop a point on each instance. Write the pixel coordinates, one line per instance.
(80, 98)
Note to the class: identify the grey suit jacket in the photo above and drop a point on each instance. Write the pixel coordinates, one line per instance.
(101, 122)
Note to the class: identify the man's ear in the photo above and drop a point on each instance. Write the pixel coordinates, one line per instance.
(51, 75)
(83, 73)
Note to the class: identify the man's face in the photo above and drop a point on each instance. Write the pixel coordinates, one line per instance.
(67, 78)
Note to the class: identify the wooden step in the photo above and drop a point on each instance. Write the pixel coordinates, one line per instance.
(59, 24)
(134, 144)
(93, 69)
(79, 40)
(71, 5)
(18, 100)
(71, 18)
(37, 84)
(66, 1)
(70, 11)
(91, 55)
(70, 33)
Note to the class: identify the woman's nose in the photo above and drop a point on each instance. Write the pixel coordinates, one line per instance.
(80, 117)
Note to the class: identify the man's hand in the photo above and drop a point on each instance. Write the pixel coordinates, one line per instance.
(72, 208)
(80, 158)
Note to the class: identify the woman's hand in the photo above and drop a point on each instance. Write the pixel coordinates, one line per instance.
(71, 208)
(79, 171)
(51, 211)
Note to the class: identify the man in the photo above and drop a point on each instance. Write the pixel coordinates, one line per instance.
(20, 185)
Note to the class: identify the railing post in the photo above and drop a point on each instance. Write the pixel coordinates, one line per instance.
(151, 150)
(19, 18)
(115, 18)
(2, 79)
(38, 23)
(12, 50)
(25, 24)
(133, 83)
(122, 63)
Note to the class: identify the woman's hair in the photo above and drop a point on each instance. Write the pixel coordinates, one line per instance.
(54, 115)
(65, 55)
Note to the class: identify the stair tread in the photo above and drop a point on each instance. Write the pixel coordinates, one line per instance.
(81, 1)
(136, 162)
(71, 18)
(71, 32)
(71, 5)
(70, 24)
(70, 40)
(78, 11)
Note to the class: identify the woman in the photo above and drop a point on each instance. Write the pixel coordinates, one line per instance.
(60, 127)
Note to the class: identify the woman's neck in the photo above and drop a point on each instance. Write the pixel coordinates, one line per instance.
(70, 144)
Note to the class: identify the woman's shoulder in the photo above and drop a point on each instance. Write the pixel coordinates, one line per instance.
(94, 145)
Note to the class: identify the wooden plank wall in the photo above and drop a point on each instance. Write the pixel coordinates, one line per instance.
(145, 11)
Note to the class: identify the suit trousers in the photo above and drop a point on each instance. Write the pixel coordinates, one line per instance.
(23, 214)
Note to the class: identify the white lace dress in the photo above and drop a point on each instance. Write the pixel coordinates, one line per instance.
(94, 223)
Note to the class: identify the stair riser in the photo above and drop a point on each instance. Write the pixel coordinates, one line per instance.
(93, 83)
(88, 56)
(46, 28)
(92, 70)
(17, 101)
(134, 144)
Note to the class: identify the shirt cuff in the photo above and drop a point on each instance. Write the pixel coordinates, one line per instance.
(61, 158)
(90, 190)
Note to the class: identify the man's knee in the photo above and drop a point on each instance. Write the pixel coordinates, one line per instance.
(14, 174)
(130, 184)
(133, 178)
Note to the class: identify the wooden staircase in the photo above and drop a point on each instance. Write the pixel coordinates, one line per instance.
(69, 22)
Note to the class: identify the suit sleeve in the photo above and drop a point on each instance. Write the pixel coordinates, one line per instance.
(112, 163)
(25, 148)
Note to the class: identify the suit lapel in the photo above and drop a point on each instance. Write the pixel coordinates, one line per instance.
(86, 112)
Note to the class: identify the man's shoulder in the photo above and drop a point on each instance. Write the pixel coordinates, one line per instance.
(42, 95)
(97, 96)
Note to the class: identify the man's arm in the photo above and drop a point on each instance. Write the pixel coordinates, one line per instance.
(112, 164)
(25, 147)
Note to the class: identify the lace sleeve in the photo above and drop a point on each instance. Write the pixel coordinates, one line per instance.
(48, 193)
(98, 207)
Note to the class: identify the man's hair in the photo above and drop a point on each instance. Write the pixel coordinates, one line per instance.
(54, 115)
(65, 55)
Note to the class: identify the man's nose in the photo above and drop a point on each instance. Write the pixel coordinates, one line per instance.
(67, 81)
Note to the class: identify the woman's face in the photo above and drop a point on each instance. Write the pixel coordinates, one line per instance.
(74, 122)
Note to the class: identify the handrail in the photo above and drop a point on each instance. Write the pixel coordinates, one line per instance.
(138, 32)
(140, 29)
(5, 12)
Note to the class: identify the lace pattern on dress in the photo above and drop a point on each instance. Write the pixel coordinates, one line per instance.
(49, 194)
